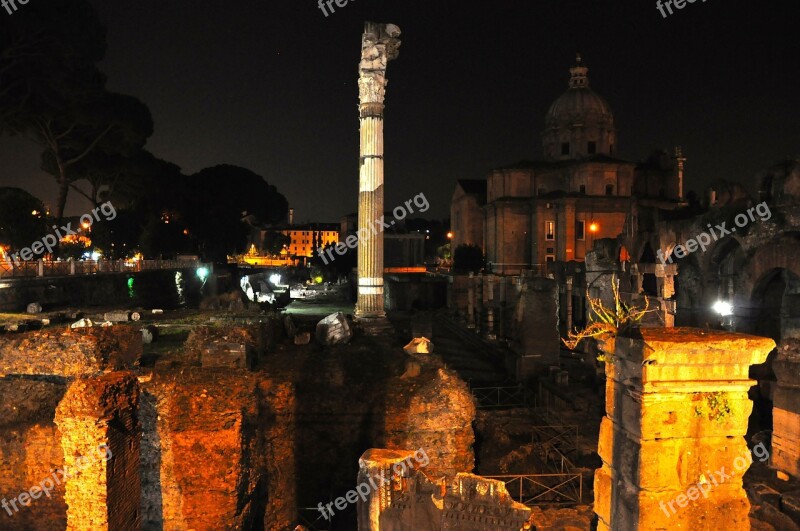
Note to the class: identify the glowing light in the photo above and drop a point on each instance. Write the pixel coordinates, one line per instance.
(449, 235)
(35, 213)
(723, 308)
(275, 279)
(186, 232)
(318, 280)
(594, 227)
(202, 273)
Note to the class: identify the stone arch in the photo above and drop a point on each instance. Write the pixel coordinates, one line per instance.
(780, 253)
(724, 270)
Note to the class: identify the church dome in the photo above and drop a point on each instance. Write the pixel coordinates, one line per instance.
(580, 122)
(578, 106)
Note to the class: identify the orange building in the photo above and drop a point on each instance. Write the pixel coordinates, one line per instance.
(306, 239)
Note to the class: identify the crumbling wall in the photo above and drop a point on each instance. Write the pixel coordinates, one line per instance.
(218, 451)
(29, 452)
(70, 353)
(99, 425)
(206, 436)
(39, 368)
(786, 409)
(536, 335)
(395, 496)
(431, 408)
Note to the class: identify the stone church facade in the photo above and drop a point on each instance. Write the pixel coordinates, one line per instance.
(554, 208)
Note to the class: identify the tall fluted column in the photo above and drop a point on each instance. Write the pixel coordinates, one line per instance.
(378, 46)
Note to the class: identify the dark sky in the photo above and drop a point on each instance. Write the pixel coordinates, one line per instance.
(271, 86)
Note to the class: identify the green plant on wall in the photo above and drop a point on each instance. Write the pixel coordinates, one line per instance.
(714, 405)
(605, 322)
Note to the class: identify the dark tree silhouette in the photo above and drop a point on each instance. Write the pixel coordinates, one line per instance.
(19, 225)
(52, 92)
(468, 258)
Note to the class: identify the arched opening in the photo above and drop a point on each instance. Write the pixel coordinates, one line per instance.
(725, 268)
(774, 313)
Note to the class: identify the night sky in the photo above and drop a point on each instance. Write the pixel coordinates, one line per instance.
(271, 86)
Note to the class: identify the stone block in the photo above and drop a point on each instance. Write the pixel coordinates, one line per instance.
(119, 316)
(786, 424)
(784, 456)
(226, 355)
(334, 330)
(679, 356)
(419, 345)
(666, 414)
(673, 464)
(763, 493)
(790, 504)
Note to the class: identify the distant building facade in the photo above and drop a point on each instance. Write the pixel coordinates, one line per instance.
(306, 239)
(466, 218)
(553, 209)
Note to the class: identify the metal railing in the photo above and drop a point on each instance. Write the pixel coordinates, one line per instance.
(497, 397)
(312, 519)
(46, 268)
(565, 438)
(544, 489)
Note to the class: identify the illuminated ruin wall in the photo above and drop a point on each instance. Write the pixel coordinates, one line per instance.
(37, 369)
(786, 409)
(676, 414)
(99, 426)
(433, 410)
(210, 447)
(29, 450)
(217, 446)
(416, 498)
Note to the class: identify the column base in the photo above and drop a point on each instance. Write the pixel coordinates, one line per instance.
(373, 325)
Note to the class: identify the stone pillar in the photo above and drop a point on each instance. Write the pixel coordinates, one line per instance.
(100, 436)
(471, 301)
(786, 411)
(379, 45)
(501, 317)
(569, 303)
(672, 441)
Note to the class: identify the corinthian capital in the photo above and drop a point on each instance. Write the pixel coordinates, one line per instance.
(379, 45)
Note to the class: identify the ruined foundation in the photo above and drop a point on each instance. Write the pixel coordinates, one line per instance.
(412, 498)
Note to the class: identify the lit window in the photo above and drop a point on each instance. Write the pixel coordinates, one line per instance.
(550, 230)
(580, 230)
